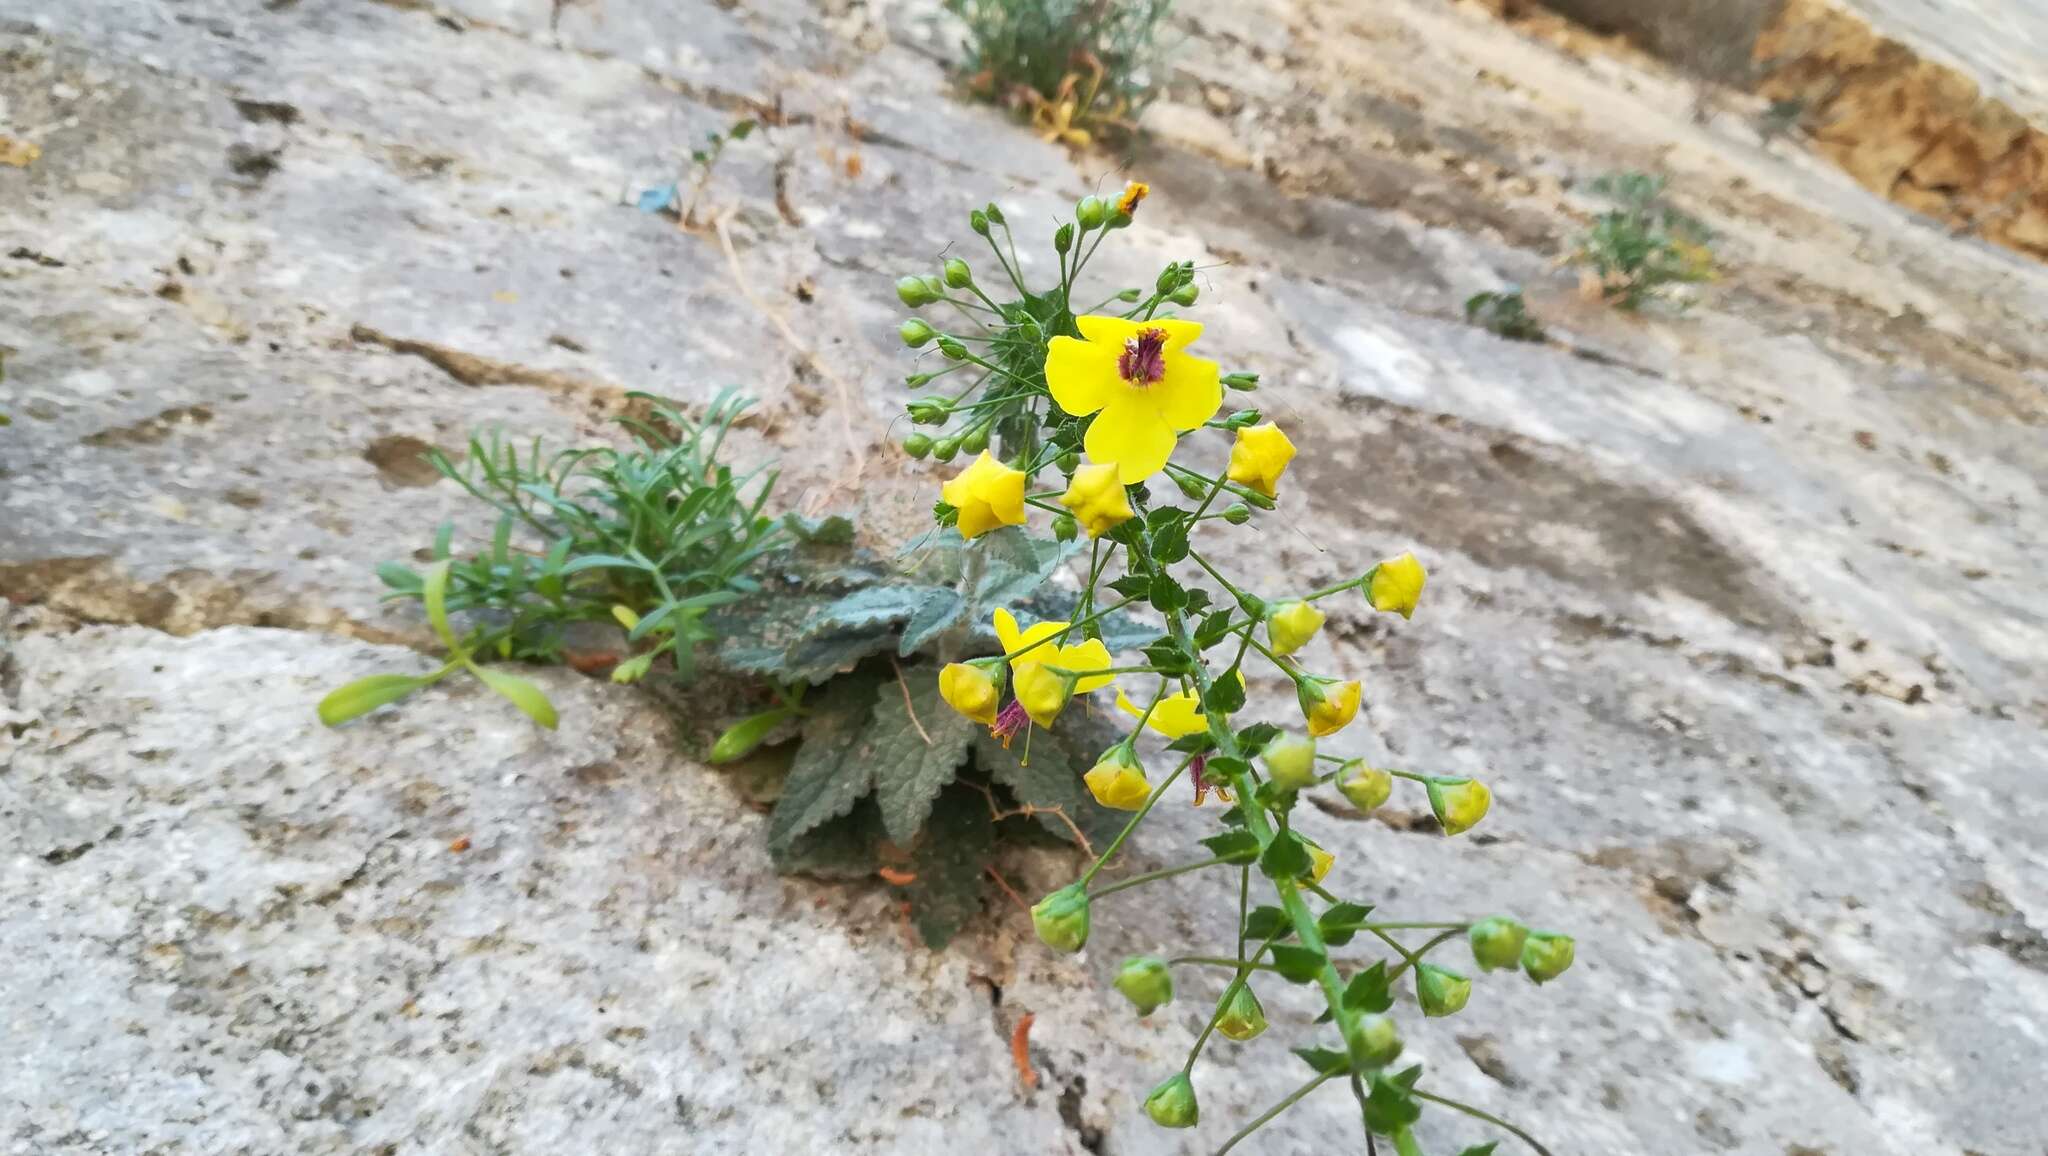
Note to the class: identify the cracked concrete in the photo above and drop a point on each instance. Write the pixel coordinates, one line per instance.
(1737, 610)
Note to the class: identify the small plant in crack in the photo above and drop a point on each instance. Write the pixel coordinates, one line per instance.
(1503, 314)
(1644, 248)
(683, 198)
(1079, 70)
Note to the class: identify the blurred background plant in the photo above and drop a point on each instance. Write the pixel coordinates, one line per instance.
(1643, 248)
(1503, 314)
(1079, 70)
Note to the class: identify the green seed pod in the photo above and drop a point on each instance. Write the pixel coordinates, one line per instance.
(1245, 382)
(918, 380)
(1497, 942)
(1185, 295)
(1365, 787)
(1258, 499)
(1146, 982)
(1172, 1104)
(995, 215)
(1069, 462)
(1063, 238)
(1130, 296)
(1061, 919)
(1193, 487)
(958, 275)
(1546, 956)
(1382, 1040)
(946, 449)
(978, 221)
(1243, 1017)
(746, 734)
(1065, 528)
(916, 333)
(1291, 760)
(1440, 991)
(975, 440)
(1237, 513)
(916, 291)
(930, 410)
(917, 445)
(1090, 212)
(952, 348)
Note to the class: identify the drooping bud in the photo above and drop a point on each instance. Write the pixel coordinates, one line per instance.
(1328, 705)
(958, 275)
(1441, 992)
(1258, 458)
(1291, 760)
(919, 380)
(1117, 781)
(1245, 382)
(1290, 625)
(1097, 496)
(973, 688)
(930, 410)
(952, 347)
(974, 440)
(1497, 942)
(1364, 786)
(1061, 919)
(917, 291)
(1192, 486)
(1090, 211)
(1130, 296)
(946, 449)
(977, 220)
(1381, 1038)
(1237, 513)
(1185, 295)
(1146, 982)
(1243, 1016)
(1396, 585)
(1545, 955)
(1459, 803)
(1172, 1104)
(1069, 462)
(1063, 238)
(916, 334)
(917, 445)
(1065, 528)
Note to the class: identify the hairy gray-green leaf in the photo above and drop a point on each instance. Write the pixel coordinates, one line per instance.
(841, 849)
(875, 607)
(934, 617)
(958, 843)
(831, 771)
(909, 772)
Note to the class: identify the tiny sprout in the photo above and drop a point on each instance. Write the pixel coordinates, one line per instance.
(1063, 238)
(1145, 981)
(1291, 760)
(1545, 956)
(916, 291)
(1090, 211)
(916, 333)
(1172, 1104)
(1061, 919)
(1365, 787)
(1185, 295)
(958, 275)
(1497, 942)
(1243, 1017)
(930, 410)
(1441, 992)
(946, 449)
(1237, 514)
(917, 445)
(951, 347)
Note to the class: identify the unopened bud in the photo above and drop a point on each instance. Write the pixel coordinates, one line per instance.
(978, 221)
(1237, 513)
(1185, 295)
(975, 440)
(952, 348)
(1291, 760)
(1396, 585)
(1061, 919)
(1117, 781)
(1441, 992)
(1065, 528)
(995, 215)
(1290, 625)
(1146, 982)
(1459, 803)
(1363, 786)
(1497, 942)
(1090, 212)
(917, 445)
(919, 380)
(946, 449)
(1063, 238)
(1172, 1103)
(1130, 296)
(1069, 462)
(1546, 956)
(930, 410)
(1245, 382)
(1381, 1038)
(916, 291)
(1192, 486)
(958, 275)
(916, 333)
(1243, 1016)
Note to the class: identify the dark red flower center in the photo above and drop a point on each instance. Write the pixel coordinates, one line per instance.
(1143, 361)
(1012, 719)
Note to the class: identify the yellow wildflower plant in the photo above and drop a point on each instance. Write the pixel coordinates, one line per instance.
(1098, 499)
(1328, 705)
(1036, 662)
(1141, 384)
(987, 494)
(1259, 456)
(1395, 585)
(1176, 716)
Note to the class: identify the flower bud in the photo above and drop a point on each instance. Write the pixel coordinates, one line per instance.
(1117, 781)
(973, 688)
(1245, 382)
(1063, 238)
(1364, 786)
(1381, 1038)
(958, 275)
(1328, 705)
(930, 410)
(1441, 992)
(1065, 528)
(917, 445)
(915, 333)
(1192, 486)
(1396, 585)
(952, 347)
(1069, 462)
(1185, 295)
(1497, 942)
(1170, 279)
(974, 440)
(1090, 212)
(978, 221)
(1459, 803)
(916, 291)
(995, 215)
(919, 380)
(1237, 513)
(1291, 760)
(1290, 625)
(1130, 296)
(1061, 919)
(1243, 1017)
(624, 616)
(1545, 956)
(1172, 1103)
(1134, 194)
(1145, 981)
(1319, 862)
(946, 449)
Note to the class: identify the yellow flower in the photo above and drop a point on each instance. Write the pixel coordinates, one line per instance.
(1328, 706)
(1042, 692)
(1459, 803)
(987, 494)
(1117, 782)
(1134, 192)
(1148, 388)
(1291, 625)
(1259, 457)
(1396, 585)
(973, 689)
(1320, 861)
(1098, 499)
(1177, 715)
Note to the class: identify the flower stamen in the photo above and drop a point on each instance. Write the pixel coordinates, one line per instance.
(1012, 719)
(1143, 361)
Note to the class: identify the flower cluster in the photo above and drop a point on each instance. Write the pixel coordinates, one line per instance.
(1104, 399)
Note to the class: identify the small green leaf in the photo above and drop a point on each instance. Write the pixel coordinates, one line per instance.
(1253, 739)
(1170, 544)
(1295, 963)
(748, 733)
(1132, 586)
(1286, 857)
(933, 617)
(364, 695)
(1167, 595)
(399, 577)
(520, 693)
(1193, 744)
(1226, 694)
(1485, 1149)
(1369, 991)
(829, 773)
(1263, 923)
(434, 592)
(1324, 1061)
(1238, 846)
(1392, 1106)
(1211, 629)
(1340, 922)
(910, 771)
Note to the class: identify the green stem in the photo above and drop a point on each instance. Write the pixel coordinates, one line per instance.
(1340, 587)
(1266, 1117)
(1070, 628)
(1220, 961)
(1153, 877)
(1489, 1117)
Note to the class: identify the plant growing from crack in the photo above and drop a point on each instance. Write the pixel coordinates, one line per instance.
(1103, 401)
(682, 198)
(1078, 69)
(1642, 249)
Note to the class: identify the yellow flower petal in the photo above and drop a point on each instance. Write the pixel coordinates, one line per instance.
(1396, 585)
(970, 690)
(1081, 374)
(1118, 786)
(1138, 441)
(987, 494)
(1090, 654)
(1335, 711)
(1098, 499)
(1191, 392)
(1259, 456)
